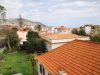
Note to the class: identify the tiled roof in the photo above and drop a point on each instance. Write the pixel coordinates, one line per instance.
(45, 34)
(62, 36)
(75, 58)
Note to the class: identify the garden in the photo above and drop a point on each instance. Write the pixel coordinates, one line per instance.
(16, 62)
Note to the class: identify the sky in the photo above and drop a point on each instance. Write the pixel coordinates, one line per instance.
(69, 13)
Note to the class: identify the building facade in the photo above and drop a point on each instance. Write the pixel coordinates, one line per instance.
(56, 40)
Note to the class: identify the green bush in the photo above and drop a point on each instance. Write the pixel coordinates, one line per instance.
(95, 38)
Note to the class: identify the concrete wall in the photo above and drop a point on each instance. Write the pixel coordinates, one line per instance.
(56, 45)
(52, 44)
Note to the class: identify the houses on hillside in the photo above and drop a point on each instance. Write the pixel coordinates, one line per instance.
(62, 30)
(57, 30)
(74, 58)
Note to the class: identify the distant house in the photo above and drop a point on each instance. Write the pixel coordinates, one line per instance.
(62, 30)
(88, 29)
(56, 40)
(75, 58)
(22, 32)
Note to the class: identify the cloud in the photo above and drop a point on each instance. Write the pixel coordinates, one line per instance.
(52, 10)
(13, 7)
(64, 9)
(73, 9)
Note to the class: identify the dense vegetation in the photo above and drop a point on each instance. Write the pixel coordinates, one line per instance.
(80, 32)
(35, 42)
(75, 31)
(95, 38)
(2, 12)
(11, 39)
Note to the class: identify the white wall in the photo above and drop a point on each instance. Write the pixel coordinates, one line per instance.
(22, 36)
(52, 44)
(38, 67)
(88, 29)
(84, 38)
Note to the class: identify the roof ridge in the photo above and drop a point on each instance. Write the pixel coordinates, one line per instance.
(88, 41)
(53, 50)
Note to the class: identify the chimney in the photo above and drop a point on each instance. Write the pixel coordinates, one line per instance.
(62, 73)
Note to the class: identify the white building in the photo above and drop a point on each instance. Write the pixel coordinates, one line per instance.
(56, 40)
(62, 30)
(88, 29)
(22, 35)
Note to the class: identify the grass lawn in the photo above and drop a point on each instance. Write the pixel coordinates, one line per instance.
(17, 62)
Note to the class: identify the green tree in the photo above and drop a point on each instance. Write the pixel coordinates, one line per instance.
(95, 38)
(11, 39)
(32, 34)
(82, 32)
(35, 43)
(75, 31)
(38, 27)
(2, 12)
(14, 29)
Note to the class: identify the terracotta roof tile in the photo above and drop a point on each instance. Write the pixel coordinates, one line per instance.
(62, 36)
(75, 58)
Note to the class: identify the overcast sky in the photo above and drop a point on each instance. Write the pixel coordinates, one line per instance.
(70, 13)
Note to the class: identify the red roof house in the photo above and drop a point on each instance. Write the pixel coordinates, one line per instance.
(74, 58)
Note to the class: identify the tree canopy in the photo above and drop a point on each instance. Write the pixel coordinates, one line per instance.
(2, 12)
(95, 38)
(75, 31)
(82, 32)
(11, 39)
(35, 43)
(38, 27)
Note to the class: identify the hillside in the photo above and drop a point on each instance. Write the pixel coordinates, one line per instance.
(25, 22)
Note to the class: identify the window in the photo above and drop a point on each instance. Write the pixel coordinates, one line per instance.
(43, 71)
(40, 68)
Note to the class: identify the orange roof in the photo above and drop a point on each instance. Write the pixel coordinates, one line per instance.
(75, 58)
(62, 36)
(45, 34)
